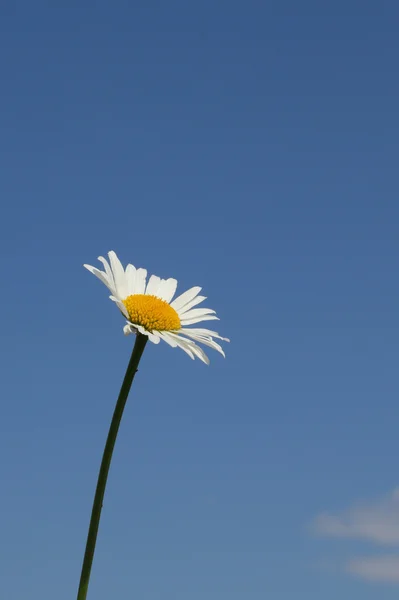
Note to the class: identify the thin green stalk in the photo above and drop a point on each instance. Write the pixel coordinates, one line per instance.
(138, 350)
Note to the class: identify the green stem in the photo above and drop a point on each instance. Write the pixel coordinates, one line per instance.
(131, 370)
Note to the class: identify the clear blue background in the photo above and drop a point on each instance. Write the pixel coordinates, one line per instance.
(248, 147)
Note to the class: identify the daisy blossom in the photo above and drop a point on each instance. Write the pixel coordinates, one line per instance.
(149, 309)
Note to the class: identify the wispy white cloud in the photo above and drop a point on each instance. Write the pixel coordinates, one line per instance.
(378, 568)
(377, 521)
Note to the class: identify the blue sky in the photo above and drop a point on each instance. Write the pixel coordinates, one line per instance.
(250, 148)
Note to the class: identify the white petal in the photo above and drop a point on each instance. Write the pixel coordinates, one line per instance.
(108, 270)
(155, 339)
(190, 304)
(101, 276)
(141, 276)
(185, 322)
(121, 306)
(127, 330)
(119, 275)
(140, 329)
(153, 285)
(130, 276)
(185, 298)
(190, 347)
(203, 340)
(196, 350)
(167, 289)
(209, 333)
(200, 353)
(196, 312)
(167, 338)
(186, 348)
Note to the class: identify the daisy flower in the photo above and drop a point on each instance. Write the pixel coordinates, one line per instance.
(149, 309)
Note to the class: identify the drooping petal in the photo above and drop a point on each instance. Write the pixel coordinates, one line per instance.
(154, 338)
(200, 354)
(181, 343)
(203, 340)
(186, 344)
(208, 333)
(167, 338)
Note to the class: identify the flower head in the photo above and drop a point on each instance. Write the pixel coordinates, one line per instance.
(149, 309)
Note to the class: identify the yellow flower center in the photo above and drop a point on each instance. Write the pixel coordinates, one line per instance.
(152, 313)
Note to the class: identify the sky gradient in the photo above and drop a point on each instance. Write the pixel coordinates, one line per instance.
(249, 148)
